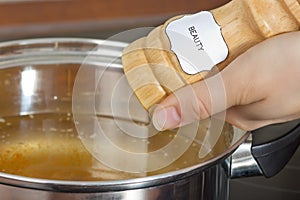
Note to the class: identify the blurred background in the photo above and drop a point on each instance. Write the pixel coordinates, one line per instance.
(88, 18)
(21, 19)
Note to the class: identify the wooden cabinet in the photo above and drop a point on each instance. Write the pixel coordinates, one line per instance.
(34, 18)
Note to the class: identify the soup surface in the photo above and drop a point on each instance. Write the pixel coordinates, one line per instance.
(48, 146)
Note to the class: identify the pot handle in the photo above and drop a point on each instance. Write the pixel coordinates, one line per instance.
(274, 145)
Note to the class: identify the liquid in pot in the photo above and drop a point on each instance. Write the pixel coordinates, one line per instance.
(47, 146)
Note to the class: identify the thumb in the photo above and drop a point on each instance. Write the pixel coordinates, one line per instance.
(190, 103)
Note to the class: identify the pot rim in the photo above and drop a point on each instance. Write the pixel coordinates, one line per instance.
(112, 185)
(62, 39)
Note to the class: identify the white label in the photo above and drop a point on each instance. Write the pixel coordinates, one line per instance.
(197, 42)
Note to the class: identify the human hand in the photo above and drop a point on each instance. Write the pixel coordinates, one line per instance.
(260, 87)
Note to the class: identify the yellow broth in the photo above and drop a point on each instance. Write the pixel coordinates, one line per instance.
(47, 146)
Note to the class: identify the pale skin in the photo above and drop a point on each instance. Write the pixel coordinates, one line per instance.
(260, 87)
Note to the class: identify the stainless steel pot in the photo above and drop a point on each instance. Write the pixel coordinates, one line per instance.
(42, 157)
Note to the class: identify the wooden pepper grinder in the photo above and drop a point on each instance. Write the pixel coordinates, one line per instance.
(189, 48)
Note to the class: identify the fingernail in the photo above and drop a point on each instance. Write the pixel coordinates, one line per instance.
(165, 118)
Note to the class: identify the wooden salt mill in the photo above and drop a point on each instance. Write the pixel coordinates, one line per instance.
(154, 70)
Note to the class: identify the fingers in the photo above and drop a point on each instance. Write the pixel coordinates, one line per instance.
(193, 102)
(232, 86)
